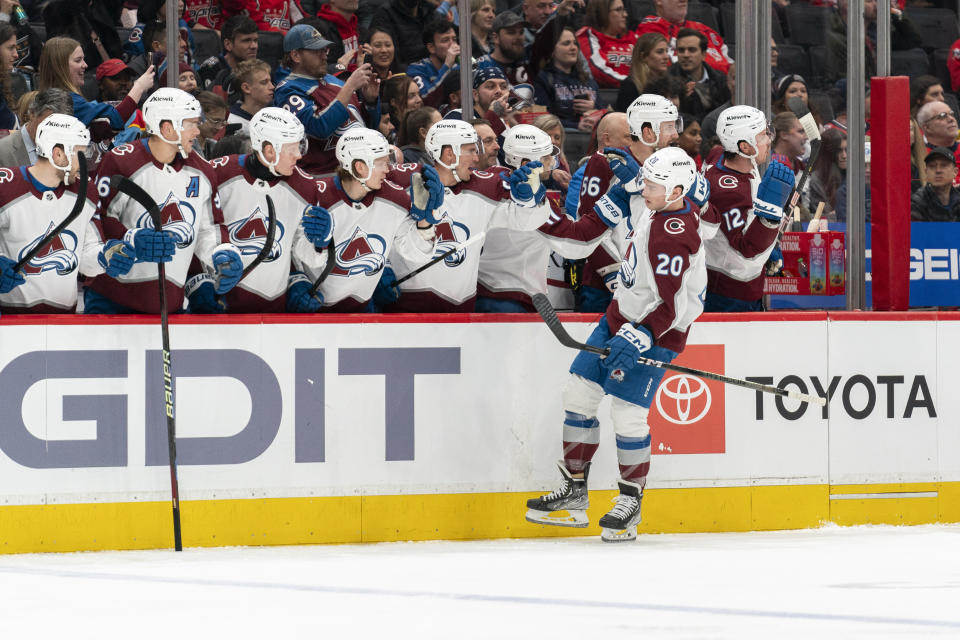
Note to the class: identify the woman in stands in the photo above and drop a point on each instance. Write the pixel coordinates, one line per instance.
(606, 42)
(62, 66)
(793, 86)
(413, 133)
(924, 89)
(829, 172)
(383, 56)
(482, 13)
(560, 174)
(8, 58)
(563, 86)
(400, 94)
(650, 60)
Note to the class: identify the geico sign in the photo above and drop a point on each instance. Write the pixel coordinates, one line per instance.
(859, 396)
(398, 366)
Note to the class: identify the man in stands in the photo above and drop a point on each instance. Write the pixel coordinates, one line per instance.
(705, 87)
(671, 17)
(252, 79)
(939, 126)
(938, 200)
(440, 38)
(240, 42)
(326, 110)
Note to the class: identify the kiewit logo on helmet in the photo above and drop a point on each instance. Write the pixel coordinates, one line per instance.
(520, 136)
(687, 414)
(742, 116)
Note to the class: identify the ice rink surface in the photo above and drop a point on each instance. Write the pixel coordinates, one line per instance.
(859, 582)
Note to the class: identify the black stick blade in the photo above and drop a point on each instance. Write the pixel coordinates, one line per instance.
(550, 318)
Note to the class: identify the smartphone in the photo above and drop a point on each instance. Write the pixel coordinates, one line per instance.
(582, 96)
(368, 59)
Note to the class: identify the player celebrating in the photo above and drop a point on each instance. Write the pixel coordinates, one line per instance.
(736, 257)
(662, 280)
(474, 202)
(184, 187)
(277, 137)
(370, 217)
(36, 199)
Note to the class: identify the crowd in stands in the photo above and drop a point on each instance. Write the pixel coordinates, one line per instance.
(394, 66)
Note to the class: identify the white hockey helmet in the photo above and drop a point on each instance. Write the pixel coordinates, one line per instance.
(453, 134)
(742, 124)
(175, 105)
(278, 127)
(526, 142)
(654, 110)
(365, 145)
(671, 167)
(64, 131)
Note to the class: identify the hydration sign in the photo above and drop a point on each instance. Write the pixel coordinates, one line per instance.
(934, 270)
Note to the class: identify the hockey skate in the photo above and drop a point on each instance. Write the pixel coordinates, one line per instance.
(565, 507)
(620, 524)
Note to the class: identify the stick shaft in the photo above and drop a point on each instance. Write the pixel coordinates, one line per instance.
(168, 406)
(476, 238)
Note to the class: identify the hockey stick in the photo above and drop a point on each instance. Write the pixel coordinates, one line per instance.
(327, 268)
(268, 241)
(126, 186)
(74, 212)
(546, 311)
(809, 125)
(463, 245)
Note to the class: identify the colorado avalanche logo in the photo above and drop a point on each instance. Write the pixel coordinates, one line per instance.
(59, 254)
(249, 235)
(628, 268)
(176, 216)
(450, 234)
(362, 254)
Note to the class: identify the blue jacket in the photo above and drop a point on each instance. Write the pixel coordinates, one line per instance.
(428, 76)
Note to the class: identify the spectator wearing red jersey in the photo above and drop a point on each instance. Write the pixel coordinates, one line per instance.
(270, 15)
(671, 17)
(606, 43)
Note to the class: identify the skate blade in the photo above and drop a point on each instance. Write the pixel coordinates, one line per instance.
(564, 518)
(619, 535)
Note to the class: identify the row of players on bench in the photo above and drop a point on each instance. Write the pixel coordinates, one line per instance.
(379, 222)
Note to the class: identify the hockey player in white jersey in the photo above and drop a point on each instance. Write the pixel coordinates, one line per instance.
(35, 200)
(184, 187)
(278, 142)
(370, 217)
(474, 202)
(662, 283)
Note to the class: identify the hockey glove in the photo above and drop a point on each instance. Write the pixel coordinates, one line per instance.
(699, 190)
(299, 299)
(317, 226)
(202, 295)
(623, 164)
(9, 279)
(150, 245)
(426, 195)
(625, 347)
(613, 206)
(227, 267)
(775, 262)
(117, 258)
(773, 192)
(525, 186)
(386, 291)
(611, 276)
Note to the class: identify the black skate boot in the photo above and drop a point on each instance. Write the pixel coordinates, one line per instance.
(565, 507)
(620, 524)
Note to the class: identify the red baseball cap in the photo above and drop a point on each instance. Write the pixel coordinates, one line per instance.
(110, 68)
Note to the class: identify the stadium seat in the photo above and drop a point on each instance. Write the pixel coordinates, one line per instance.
(637, 10)
(793, 59)
(728, 26)
(808, 24)
(40, 29)
(270, 47)
(912, 62)
(818, 65)
(705, 13)
(609, 96)
(206, 43)
(89, 90)
(937, 27)
(940, 57)
(576, 145)
(822, 104)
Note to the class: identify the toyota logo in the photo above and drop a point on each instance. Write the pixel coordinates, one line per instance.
(681, 393)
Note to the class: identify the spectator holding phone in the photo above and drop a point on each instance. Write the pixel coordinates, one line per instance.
(564, 86)
(383, 54)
